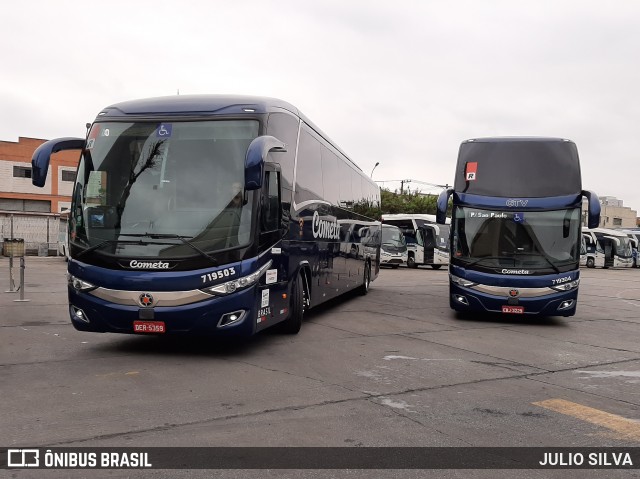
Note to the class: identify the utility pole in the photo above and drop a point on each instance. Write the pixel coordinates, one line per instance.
(402, 182)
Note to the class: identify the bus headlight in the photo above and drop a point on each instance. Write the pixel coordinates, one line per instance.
(78, 284)
(236, 284)
(567, 286)
(461, 281)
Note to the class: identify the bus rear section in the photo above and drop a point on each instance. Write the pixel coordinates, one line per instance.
(515, 235)
(187, 218)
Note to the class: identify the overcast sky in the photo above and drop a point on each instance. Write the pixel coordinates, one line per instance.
(396, 82)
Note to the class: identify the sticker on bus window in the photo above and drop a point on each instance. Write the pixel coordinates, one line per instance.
(471, 171)
(164, 130)
(93, 134)
(271, 276)
(518, 217)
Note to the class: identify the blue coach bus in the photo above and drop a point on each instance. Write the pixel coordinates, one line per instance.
(210, 215)
(516, 226)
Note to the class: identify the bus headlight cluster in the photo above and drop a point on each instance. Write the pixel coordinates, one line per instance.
(461, 281)
(567, 286)
(78, 284)
(239, 283)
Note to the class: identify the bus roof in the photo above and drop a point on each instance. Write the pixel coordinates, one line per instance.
(520, 167)
(198, 104)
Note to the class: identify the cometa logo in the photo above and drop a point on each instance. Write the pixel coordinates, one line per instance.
(516, 271)
(148, 264)
(324, 228)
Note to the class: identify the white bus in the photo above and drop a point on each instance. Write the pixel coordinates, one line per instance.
(427, 241)
(634, 235)
(608, 248)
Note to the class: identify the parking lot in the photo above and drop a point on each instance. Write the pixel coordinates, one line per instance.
(394, 368)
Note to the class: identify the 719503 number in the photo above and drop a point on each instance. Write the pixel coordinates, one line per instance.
(223, 273)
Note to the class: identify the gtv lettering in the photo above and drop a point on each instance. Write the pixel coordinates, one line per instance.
(324, 228)
(514, 203)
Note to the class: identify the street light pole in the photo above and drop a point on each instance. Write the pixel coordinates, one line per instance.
(374, 167)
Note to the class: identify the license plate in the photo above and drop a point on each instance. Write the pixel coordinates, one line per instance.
(153, 327)
(513, 309)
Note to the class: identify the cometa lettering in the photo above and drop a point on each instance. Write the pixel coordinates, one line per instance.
(324, 228)
(515, 271)
(148, 265)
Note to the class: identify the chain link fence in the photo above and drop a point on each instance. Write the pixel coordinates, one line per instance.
(41, 232)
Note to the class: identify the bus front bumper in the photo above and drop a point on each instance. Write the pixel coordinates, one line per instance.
(561, 303)
(233, 315)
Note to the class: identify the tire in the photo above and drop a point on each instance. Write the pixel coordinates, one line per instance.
(293, 323)
(411, 262)
(364, 288)
(436, 266)
(591, 263)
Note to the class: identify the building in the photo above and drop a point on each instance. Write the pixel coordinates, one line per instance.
(613, 213)
(16, 191)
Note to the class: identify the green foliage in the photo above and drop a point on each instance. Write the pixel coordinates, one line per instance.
(407, 203)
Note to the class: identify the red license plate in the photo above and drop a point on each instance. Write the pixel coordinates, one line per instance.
(512, 309)
(153, 327)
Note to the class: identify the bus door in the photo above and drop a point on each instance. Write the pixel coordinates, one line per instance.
(609, 251)
(418, 244)
(429, 237)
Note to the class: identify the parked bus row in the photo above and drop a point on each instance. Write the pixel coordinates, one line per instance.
(609, 248)
(227, 215)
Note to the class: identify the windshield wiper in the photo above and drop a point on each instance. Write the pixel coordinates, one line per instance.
(152, 236)
(541, 254)
(172, 236)
(106, 242)
(488, 257)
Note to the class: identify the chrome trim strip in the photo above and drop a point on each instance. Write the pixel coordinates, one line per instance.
(504, 291)
(160, 298)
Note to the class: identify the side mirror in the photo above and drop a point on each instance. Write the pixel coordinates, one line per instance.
(42, 157)
(442, 204)
(594, 208)
(254, 160)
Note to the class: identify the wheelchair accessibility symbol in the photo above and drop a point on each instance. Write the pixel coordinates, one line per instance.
(518, 217)
(164, 130)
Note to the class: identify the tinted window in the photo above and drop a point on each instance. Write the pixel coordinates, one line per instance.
(526, 169)
(330, 177)
(346, 194)
(285, 128)
(309, 169)
(356, 186)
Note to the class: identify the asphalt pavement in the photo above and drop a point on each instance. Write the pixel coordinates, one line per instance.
(394, 368)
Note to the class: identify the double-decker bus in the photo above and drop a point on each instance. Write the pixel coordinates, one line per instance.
(516, 226)
(608, 248)
(210, 214)
(427, 241)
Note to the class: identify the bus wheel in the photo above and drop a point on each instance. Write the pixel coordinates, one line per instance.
(411, 262)
(364, 289)
(436, 266)
(293, 323)
(591, 263)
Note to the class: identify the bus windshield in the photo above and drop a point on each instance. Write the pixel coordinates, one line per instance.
(151, 189)
(392, 236)
(545, 241)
